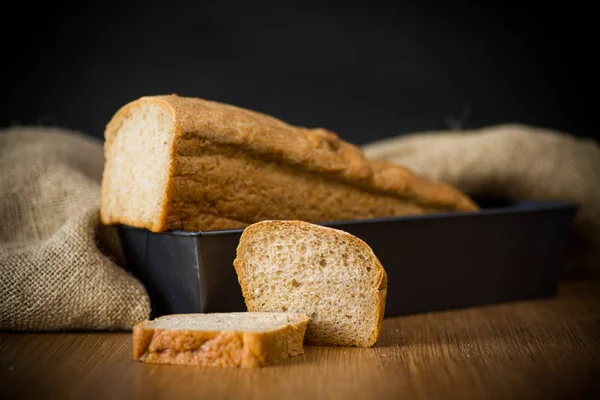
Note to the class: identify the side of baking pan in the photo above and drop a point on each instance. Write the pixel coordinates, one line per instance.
(502, 253)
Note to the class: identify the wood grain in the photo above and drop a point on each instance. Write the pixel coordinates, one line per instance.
(546, 349)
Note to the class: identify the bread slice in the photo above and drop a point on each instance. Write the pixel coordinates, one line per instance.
(325, 273)
(237, 339)
(186, 163)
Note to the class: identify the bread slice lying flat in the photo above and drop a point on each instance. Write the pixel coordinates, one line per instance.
(239, 339)
(327, 274)
(177, 162)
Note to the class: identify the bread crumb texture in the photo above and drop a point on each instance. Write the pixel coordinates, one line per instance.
(327, 274)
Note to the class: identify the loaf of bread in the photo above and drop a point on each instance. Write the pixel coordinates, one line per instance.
(237, 339)
(174, 162)
(325, 273)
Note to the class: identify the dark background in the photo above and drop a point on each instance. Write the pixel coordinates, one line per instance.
(366, 71)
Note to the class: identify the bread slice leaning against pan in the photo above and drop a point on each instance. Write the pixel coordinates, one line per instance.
(235, 339)
(325, 273)
(185, 163)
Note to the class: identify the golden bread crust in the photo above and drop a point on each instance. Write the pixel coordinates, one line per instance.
(316, 150)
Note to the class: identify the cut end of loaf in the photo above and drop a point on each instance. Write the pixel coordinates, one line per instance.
(327, 274)
(137, 152)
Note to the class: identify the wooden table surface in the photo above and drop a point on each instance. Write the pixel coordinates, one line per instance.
(546, 349)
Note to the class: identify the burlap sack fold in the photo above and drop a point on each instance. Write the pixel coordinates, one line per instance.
(53, 275)
(512, 161)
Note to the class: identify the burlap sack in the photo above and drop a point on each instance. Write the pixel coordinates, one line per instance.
(512, 162)
(52, 274)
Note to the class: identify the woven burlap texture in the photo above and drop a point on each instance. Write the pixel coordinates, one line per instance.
(54, 275)
(512, 162)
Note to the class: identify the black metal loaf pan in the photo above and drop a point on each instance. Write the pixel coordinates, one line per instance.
(505, 252)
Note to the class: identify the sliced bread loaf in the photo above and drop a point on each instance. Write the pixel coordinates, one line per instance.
(186, 163)
(327, 274)
(241, 339)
